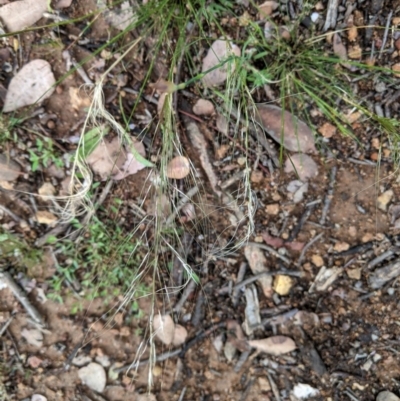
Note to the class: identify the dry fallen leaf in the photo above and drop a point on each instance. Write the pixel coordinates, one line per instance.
(45, 217)
(220, 50)
(131, 165)
(107, 158)
(265, 9)
(396, 69)
(258, 264)
(34, 82)
(203, 107)
(33, 337)
(178, 168)
(180, 335)
(19, 15)
(302, 165)
(285, 128)
(276, 345)
(327, 130)
(352, 33)
(339, 48)
(164, 327)
(9, 169)
(355, 52)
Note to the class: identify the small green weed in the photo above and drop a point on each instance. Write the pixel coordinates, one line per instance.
(103, 262)
(43, 154)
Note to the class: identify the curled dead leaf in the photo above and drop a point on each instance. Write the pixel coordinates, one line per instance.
(276, 345)
(178, 168)
(286, 129)
(164, 328)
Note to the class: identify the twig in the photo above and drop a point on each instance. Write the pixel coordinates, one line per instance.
(355, 249)
(6, 324)
(186, 294)
(274, 387)
(176, 352)
(295, 232)
(385, 35)
(272, 251)
(18, 293)
(362, 162)
(303, 252)
(182, 394)
(247, 390)
(383, 256)
(11, 214)
(244, 356)
(240, 277)
(263, 274)
(331, 15)
(329, 195)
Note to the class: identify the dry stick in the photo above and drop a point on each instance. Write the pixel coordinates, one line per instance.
(385, 35)
(176, 352)
(300, 224)
(331, 15)
(182, 394)
(11, 214)
(263, 274)
(188, 290)
(328, 197)
(303, 252)
(272, 251)
(383, 256)
(362, 162)
(244, 356)
(274, 387)
(6, 324)
(18, 293)
(240, 277)
(247, 390)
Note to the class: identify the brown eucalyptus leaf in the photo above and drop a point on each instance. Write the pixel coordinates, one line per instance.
(339, 48)
(302, 165)
(131, 165)
(34, 82)
(9, 169)
(220, 50)
(276, 345)
(292, 133)
(107, 158)
(19, 15)
(164, 328)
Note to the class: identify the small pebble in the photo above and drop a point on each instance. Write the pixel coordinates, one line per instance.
(387, 396)
(384, 200)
